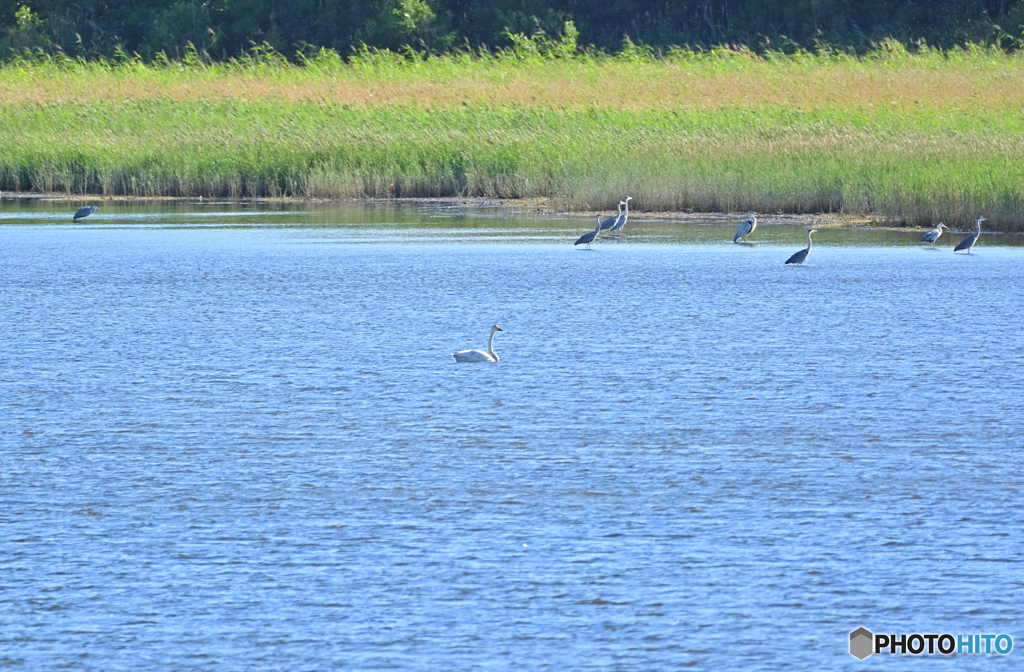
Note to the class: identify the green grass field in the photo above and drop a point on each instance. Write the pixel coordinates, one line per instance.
(897, 137)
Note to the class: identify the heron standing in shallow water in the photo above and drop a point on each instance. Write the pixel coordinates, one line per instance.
(610, 223)
(84, 212)
(624, 216)
(968, 242)
(800, 256)
(588, 238)
(933, 235)
(746, 227)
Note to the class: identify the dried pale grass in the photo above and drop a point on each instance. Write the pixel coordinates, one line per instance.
(990, 83)
(915, 140)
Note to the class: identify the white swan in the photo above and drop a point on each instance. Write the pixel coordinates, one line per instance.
(479, 355)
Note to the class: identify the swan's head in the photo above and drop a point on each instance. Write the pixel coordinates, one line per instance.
(496, 328)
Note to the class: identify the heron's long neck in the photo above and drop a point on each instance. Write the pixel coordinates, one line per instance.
(626, 215)
(808, 240)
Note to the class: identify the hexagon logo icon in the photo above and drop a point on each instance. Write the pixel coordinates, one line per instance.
(861, 643)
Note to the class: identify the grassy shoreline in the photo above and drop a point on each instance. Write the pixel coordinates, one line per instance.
(898, 138)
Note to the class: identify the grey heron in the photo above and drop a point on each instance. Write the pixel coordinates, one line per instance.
(800, 256)
(610, 222)
(588, 238)
(625, 215)
(746, 227)
(968, 242)
(933, 235)
(84, 212)
(479, 355)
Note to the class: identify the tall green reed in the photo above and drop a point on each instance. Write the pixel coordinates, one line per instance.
(897, 168)
(121, 127)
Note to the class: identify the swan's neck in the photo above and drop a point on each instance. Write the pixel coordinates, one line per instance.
(490, 346)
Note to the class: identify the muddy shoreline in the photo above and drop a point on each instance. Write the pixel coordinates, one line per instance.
(539, 206)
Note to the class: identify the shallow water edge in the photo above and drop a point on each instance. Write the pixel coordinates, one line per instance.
(550, 207)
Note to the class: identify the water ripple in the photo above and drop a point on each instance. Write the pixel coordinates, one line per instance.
(248, 447)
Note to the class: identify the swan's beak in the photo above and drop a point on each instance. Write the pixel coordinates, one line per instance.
(498, 329)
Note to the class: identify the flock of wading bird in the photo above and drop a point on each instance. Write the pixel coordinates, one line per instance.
(615, 223)
(747, 226)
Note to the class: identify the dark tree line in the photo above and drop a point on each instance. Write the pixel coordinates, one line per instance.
(225, 28)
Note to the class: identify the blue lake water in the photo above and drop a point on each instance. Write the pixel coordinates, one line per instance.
(233, 437)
